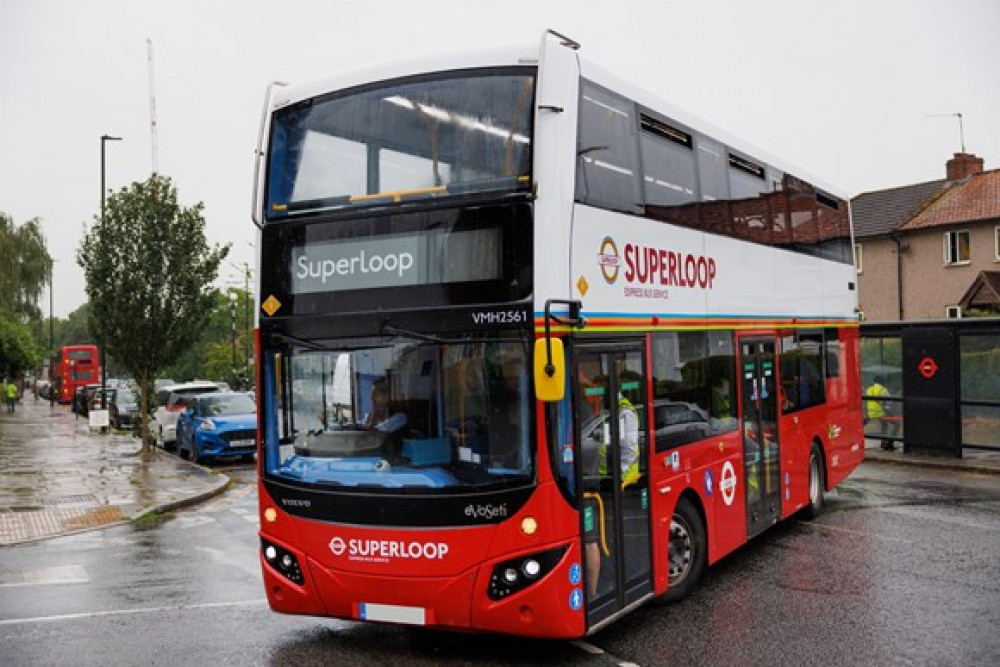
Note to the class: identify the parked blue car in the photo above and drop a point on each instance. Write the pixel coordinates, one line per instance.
(216, 425)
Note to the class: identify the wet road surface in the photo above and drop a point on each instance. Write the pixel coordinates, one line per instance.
(902, 568)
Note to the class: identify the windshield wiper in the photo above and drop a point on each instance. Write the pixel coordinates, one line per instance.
(303, 343)
(392, 330)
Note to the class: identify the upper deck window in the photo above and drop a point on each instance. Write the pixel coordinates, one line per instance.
(419, 138)
(607, 150)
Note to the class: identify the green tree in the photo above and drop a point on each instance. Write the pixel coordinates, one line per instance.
(18, 351)
(149, 270)
(221, 352)
(25, 266)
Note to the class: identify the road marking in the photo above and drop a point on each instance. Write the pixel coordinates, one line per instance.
(587, 648)
(50, 576)
(131, 612)
(596, 650)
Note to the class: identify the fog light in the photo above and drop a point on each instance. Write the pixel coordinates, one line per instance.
(531, 568)
(510, 575)
(286, 561)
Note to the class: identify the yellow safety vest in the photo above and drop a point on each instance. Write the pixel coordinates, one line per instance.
(631, 474)
(874, 409)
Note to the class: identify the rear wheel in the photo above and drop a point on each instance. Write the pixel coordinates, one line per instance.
(817, 484)
(688, 548)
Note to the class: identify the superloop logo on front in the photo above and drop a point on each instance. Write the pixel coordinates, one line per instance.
(373, 550)
(609, 260)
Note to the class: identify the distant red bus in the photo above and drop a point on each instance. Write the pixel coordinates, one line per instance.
(76, 366)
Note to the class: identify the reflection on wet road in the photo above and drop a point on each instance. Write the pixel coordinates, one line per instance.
(903, 567)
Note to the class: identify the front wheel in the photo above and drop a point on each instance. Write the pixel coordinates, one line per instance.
(688, 547)
(817, 484)
(193, 455)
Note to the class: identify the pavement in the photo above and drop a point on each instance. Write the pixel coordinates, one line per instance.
(58, 477)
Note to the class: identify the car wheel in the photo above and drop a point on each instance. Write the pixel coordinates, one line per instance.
(193, 456)
(687, 551)
(817, 484)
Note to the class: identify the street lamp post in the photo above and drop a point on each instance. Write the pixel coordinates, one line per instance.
(52, 346)
(104, 366)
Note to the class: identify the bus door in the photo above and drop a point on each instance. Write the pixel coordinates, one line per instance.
(611, 430)
(759, 421)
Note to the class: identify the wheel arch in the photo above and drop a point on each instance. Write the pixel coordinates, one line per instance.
(699, 505)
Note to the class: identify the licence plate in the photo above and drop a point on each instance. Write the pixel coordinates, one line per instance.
(392, 613)
(248, 442)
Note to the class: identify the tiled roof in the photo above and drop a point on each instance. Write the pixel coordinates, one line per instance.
(878, 213)
(972, 200)
(984, 291)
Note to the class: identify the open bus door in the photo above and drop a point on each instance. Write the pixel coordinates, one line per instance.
(609, 396)
(759, 423)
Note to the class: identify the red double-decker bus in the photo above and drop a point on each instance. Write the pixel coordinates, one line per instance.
(76, 366)
(534, 346)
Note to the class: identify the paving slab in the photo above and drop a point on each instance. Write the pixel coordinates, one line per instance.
(58, 476)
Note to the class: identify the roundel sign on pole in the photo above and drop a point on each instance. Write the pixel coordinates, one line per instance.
(927, 367)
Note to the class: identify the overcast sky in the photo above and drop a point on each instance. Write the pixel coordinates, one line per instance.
(842, 89)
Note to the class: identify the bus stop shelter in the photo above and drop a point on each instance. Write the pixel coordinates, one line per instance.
(938, 389)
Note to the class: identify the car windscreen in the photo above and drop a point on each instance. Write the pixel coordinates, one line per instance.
(227, 404)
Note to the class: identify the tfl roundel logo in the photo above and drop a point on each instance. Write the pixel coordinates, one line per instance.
(609, 260)
(337, 546)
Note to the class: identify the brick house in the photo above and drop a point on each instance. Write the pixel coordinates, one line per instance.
(930, 250)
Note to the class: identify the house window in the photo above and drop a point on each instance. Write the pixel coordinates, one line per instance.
(857, 258)
(953, 312)
(957, 248)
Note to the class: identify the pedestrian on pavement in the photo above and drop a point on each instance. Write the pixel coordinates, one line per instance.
(11, 392)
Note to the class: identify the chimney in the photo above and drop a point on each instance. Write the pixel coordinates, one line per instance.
(963, 165)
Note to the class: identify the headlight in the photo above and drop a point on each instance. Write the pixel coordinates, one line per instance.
(206, 425)
(515, 574)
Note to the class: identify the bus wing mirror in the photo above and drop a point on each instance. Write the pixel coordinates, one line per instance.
(550, 372)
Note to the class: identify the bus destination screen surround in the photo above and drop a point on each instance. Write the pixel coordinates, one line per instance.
(395, 261)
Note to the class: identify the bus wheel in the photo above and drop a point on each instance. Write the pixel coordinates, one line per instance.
(817, 484)
(687, 551)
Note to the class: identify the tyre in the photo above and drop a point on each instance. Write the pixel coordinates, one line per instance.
(193, 455)
(817, 484)
(688, 551)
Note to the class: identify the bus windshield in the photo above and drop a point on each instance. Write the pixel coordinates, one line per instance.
(410, 415)
(407, 140)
